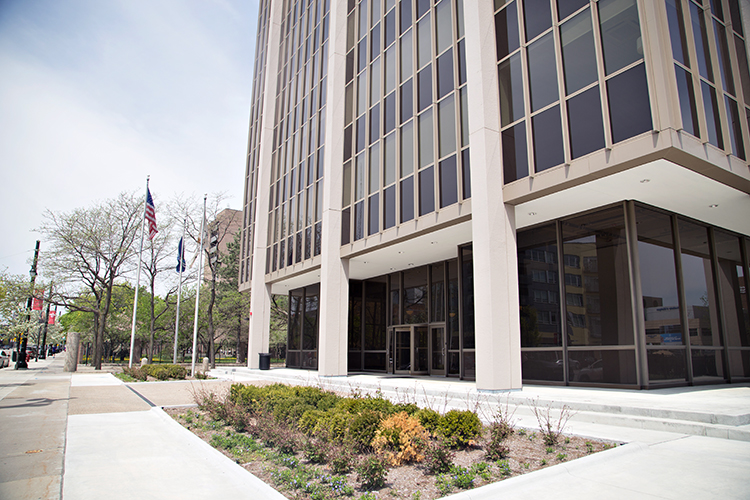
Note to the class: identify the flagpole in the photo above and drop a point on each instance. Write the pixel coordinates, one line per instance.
(138, 279)
(198, 291)
(181, 267)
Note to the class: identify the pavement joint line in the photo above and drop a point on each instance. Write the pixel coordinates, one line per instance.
(144, 398)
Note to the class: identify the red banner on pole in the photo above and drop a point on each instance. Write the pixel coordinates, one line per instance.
(51, 319)
(36, 304)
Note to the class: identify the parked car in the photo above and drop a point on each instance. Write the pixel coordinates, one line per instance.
(4, 358)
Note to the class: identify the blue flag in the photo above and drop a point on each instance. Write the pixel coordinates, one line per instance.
(181, 266)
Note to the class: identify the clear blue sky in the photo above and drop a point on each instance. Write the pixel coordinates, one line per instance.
(97, 94)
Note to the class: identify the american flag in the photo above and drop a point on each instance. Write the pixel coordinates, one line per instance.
(150, 215)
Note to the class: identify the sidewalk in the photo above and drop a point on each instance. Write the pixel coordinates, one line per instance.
(88, 435)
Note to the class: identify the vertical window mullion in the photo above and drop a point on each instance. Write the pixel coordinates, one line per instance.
(601, 77)
(530, 160)
(556, 37)
(718, 76)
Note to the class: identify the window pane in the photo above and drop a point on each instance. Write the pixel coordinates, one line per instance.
(461, 62)
(445, 74)
(447, 126)
(389, 110)
(515, 159)
(424, 88)
(424, 43)
(362, 55)
(349, 104)
(713, 122)
(537, 17)
(363, 18)
(725, 64)
(687, 101)
(407, 199)
(374, 168)
(602, 367)
(466, 174)
(567, 7)
(585, 117)
(448, 182)
(407, 61)
(464, 117)
(731, 278)
(426, 191)
(506, 31)
(375, 42)
(374, 212)
(359, 221)
(407, 149)
(347, 194)
(426, 144)
(621, 33)
(361, 93)
(361, 137)
(389, 207)
(700, 37)
(444, 27)
(537, 283)
(405, 15)
(375, 82)
(739, 46)
(360, 178)
(735, 132)
(390, 27)
(374, 124)
(629, 106)
(389, 158)
(548, 145)
(390, 69)
(407, 104)
(700, 295)
(460, 18)
(599, 241)
(542, 72)
(422, 7)
(677, 32)
(579, 58)
(541, 365)
(511, 90)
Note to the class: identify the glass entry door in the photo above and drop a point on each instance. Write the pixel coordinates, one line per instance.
(402, 350)
(437, 347)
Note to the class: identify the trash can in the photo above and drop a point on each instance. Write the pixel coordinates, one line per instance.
(265, 361)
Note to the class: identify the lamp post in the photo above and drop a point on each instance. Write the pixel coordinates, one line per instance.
(21, 353)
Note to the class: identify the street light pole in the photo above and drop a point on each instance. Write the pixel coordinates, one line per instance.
(21, 353)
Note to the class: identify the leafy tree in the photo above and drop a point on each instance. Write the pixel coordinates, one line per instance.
(90, 249)
(233, 306)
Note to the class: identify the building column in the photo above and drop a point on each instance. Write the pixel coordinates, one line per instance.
(496, 303)
(260, 299)
(333, 335)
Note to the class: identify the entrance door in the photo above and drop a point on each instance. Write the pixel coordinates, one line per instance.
(437, 347)
(421, 351)
(402, 350)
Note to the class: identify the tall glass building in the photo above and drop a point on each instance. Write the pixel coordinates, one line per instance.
(507, 191)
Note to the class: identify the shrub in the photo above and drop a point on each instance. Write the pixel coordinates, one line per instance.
(315, 451)
(309, 420)
(363, 428)
(340, 459)
(408, 408)
(246, 396)
(460, 428)
(136, 372)
(333, 425)
(550, 427)
(371, 473)
(166, 371)
(494, 448)
(400, 439)
(438, 457)
(430, 419)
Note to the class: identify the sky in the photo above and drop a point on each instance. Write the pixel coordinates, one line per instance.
(95, 95)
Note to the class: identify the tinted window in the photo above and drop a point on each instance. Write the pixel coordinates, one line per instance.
(407, 199)
(548, 145)
(515, 159)
(374, 212)
(629, 106)
(506, 31)
(426, 191)
(585, 118)
(621, 33)
(407, 105)
(579, 58)
(448, 182)
(389, 207)
(542, 72)
(687, 101)
(511, 90)
(424, 90)
(445, 74)
(537, 17)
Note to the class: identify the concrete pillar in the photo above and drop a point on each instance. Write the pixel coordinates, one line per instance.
(71, 352)
(334, 271)
(260, 299)
(496, 304)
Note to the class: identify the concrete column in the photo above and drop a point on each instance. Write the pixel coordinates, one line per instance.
(71, 352)
(260, 300)
(496, 304)
(334, 271)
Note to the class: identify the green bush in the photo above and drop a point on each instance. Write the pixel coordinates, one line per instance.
(495, 449)
(309, 420)
(371, 473)
(438, 457)
(363, 427)
(165, 371)
(460, 428)
(430, 419)
(333, 425)
(136, 372)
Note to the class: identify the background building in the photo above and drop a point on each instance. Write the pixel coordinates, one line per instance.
(538, 190)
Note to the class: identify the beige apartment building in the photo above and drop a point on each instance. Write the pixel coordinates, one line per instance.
(507, 191)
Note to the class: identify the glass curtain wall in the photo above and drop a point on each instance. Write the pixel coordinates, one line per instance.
(406, 123)
(302, 336)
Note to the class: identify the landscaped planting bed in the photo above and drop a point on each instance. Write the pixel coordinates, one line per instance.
(309, 443)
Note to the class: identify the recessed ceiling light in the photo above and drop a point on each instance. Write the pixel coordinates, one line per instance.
(714, 205)
(433, 243)
(400, 252)
(645, 181)
(532, 213)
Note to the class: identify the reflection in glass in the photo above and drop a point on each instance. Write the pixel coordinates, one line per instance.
(687, 101)
(713, 122)
(515, 158)
(579, 58)
(733, 285)
(542, 365)
(744, 70)
(389, 159)
(426, 191)
(537, 17)
(621, 33)
(374, 124)
(445, 83)
(390, 69)
(666, 364)
(725, 64)
(407, 149)
(700, 37)
(707, 363)
(375, 82)
(506, 31)
(373, 211)
(406, 56)
(426, 140)
(547, 134)
(389, 207)
(567, 7)
(602, 367)
(415, 296)
(446, 127)
(585, 117)
(424, 41)
(443, 26)
(374, 183)
(542, 72)
(467, 285)
(677, 32)
(424, 88)
(629, 105)
(511, 90)
(389, 112)
(448, 182)
(359, 221)
(407, 199)
(466, 174)
(407, 104)
(735, 130)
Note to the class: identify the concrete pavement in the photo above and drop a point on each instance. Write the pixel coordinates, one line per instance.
(88, 435)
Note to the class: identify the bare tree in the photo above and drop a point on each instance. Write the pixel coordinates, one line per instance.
(89, 250)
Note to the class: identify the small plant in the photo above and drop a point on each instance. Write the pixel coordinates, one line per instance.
(340, 459)
(543, 462)
(567, 440)
(504, 467)
(135, 372)
(371, 473)
(550, 427)
(438, 457)
(417, 495)
(460, 428)
(368, 496)
(400, 439)
(457, 477)
(549, 449)
(201, 376)
(315, 451)
(589, 447)
(526, 465)
(495, 449)
(521, 432)
(561, 457)
(532, 436)
(481, 469)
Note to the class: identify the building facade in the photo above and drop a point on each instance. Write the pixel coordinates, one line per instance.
(546, 191)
